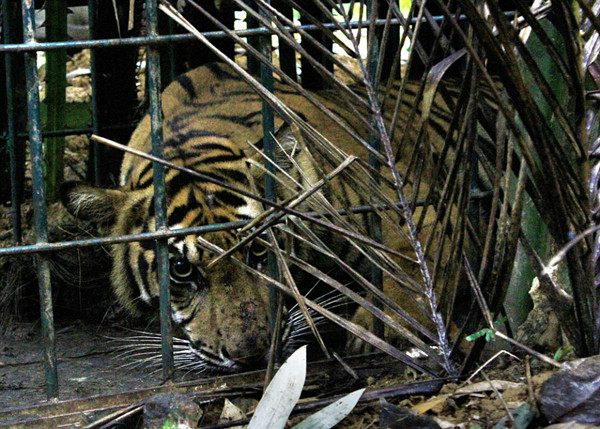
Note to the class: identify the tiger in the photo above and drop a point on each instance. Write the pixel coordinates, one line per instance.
(212, 124)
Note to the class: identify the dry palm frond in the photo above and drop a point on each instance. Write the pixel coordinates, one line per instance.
(515, 132)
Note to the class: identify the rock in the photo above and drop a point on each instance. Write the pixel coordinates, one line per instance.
(393, 417)
(167, 410)
(573, 393)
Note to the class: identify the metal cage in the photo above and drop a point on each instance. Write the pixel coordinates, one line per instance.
(11, 50)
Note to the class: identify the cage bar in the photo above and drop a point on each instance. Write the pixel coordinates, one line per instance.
(175, 38)
(160, 200)
(375, 220)
(93, 150)
(39, 203)
(11, 137)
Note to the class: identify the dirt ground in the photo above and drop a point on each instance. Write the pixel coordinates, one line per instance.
(87, 365)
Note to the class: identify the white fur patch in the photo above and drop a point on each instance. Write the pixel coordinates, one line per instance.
(251, 209)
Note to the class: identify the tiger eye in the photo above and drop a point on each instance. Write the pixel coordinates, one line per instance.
(258, 250)
(181, 269)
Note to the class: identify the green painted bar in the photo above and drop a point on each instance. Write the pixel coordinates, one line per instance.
(39, 203)
(175, 38)
(160, 200)
(49, 247)
(268, 123)
(375, 220)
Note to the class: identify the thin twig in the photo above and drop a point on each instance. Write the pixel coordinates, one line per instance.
(509, 415)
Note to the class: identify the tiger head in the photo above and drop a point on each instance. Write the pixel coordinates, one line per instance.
(220, 308)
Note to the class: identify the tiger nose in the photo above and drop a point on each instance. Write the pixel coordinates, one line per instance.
(244, 359)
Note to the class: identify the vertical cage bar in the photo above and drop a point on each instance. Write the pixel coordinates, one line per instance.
(93, 170)
(160, 204)
(251, 22)
(39, 201)
(287, 55)
(375, 220)
(268, 123)
(311, 77)
(15, 192)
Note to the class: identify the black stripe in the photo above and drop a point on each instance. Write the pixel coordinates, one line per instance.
(188, 319)
(248, 119)
(220, 72)
(145, 184)
(148, 244)
(144, 269)
(440, 129)
(223, 219)
(182, 138)
(177, 215)
(233, 175)
(222, 158)
(212, 146)
(145, 171)
(137, 212)
(178, 182)
(242, 96)
(150, 210)
(188, 85)
(131, 284)
(229, 198)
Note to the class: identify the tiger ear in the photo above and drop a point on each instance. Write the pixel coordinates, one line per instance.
(287, 145)
(87, 202)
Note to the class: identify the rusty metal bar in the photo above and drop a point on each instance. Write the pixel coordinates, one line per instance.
(64, 245)
(39, 201)
(73, 131)
(161, 40)
(160, 200)
(268, 124)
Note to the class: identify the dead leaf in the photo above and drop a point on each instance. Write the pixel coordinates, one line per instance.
(485, 386)
(429, 405)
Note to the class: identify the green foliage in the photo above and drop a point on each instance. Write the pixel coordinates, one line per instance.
(562, 353)
(488, 333)
(405, 5)
(170, 424)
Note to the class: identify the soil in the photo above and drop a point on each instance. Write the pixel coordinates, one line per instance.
(87, 364)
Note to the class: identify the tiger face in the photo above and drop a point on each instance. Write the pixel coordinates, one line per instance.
(219, 308)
